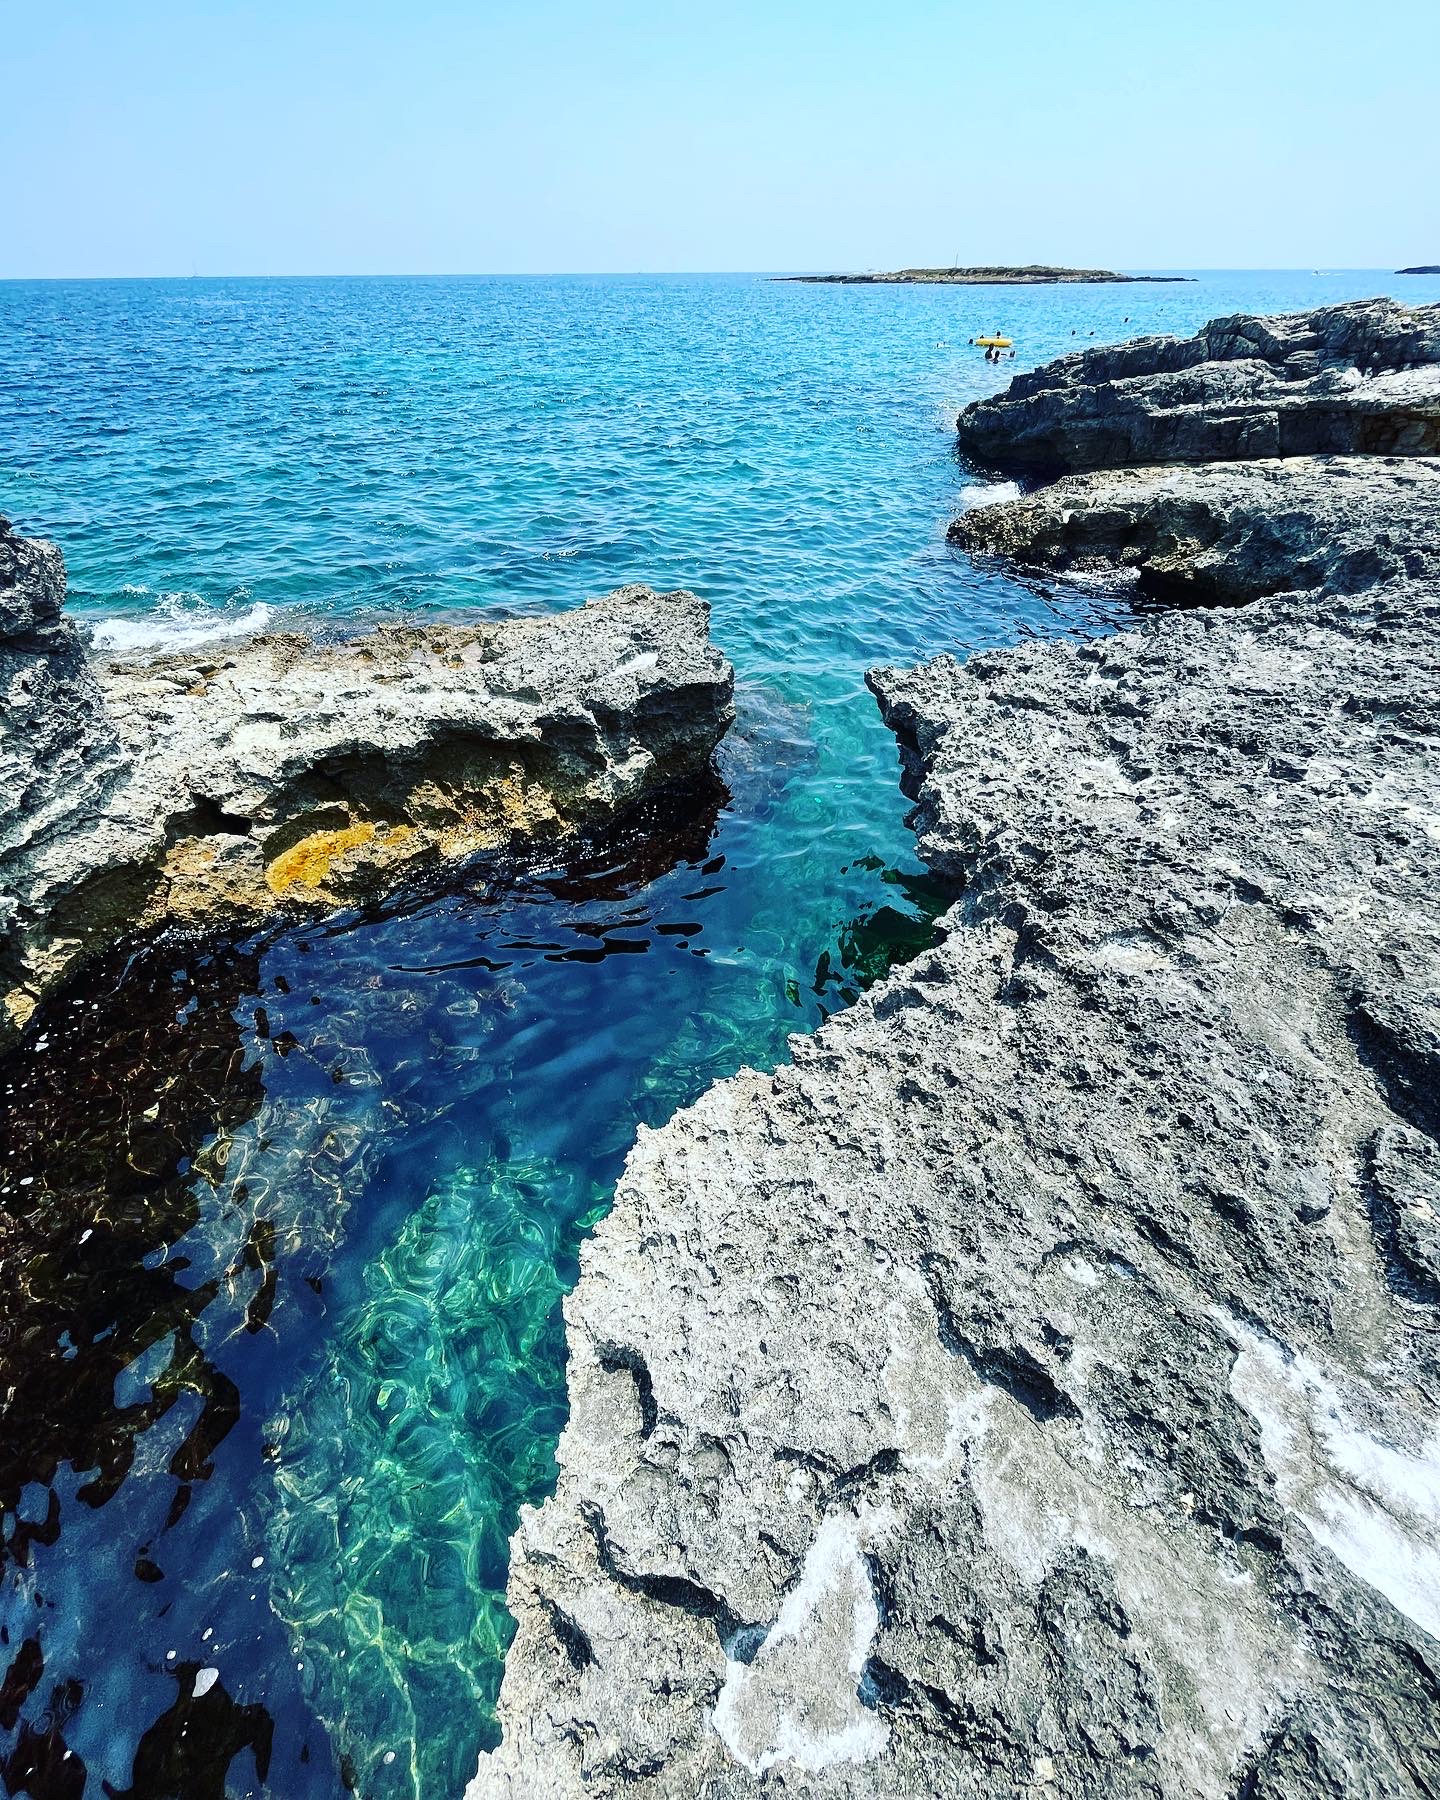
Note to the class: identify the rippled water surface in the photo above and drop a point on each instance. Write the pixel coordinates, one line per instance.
(285, 1224)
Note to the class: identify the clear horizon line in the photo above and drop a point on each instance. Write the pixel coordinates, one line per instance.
(597, 274)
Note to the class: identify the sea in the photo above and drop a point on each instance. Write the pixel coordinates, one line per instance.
(286, 1222)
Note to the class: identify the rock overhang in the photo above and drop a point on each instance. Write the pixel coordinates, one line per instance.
(281, 776)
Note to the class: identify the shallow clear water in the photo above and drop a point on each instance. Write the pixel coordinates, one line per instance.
(285, 1224)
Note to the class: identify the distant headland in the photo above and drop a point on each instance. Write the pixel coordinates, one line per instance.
(1421, 269)
(1026, 275)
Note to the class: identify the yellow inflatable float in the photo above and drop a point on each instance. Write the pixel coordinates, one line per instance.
(995, 343)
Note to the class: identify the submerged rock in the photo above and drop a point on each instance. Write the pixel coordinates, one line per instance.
(1362, 378)
(283, 775)
(1032, 1389)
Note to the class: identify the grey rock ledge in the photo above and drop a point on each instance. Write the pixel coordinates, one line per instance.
(1357, 379)
(279, 776)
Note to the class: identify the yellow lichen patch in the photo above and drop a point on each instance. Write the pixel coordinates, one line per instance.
(207, 879)
(18, 1007)
(505, 810)
(309, 862)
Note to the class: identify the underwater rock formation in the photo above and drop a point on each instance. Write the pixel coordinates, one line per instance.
(1032, 1390)
(1362, 378)
(282, 775)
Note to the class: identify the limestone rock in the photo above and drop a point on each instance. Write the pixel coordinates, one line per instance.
(1034, 1389)
(1362, 378)
(1226, 533)
(281, 775)
(58, 748)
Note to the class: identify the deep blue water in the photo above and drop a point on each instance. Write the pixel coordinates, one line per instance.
(285, 1224)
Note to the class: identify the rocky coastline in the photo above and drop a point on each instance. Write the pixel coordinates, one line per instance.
(1358, 379)
(279, 777)
(1032, 1389)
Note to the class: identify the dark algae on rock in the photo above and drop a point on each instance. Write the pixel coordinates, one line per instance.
(97, 1140)
(1032, 1390)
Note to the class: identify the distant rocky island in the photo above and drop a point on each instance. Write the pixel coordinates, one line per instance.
(1421, 269)
(1000, 275)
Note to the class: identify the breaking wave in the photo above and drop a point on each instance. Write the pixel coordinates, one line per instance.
(178, 622)
(988, 493)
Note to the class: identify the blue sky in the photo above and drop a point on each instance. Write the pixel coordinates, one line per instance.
(314, 136)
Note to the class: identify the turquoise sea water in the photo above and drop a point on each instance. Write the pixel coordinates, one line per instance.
(284, 1225)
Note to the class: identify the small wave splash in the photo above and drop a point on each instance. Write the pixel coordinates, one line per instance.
(178, 622)
(988, 493)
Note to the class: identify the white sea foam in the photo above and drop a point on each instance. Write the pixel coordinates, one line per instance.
(988, 493)
(178, 622)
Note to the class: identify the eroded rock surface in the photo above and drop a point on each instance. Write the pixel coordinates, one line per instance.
(281, 774)
(1226, 533)
(59, 750)
(1357, 379)
(1033, 1390)
(1034, 1387)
